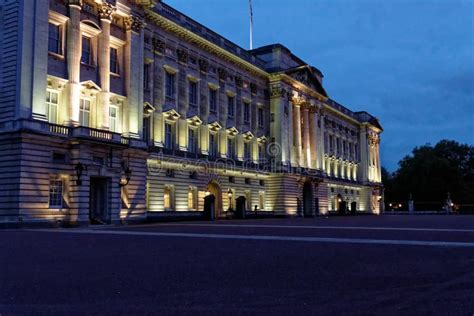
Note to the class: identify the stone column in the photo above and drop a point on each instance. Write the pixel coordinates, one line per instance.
(313, 138)
(134, 76)
(297, 128)
(321, 159)
(74, 44)
(106, 12)
(379, 166)
(307, 149)
(37, 24)
(364, 155)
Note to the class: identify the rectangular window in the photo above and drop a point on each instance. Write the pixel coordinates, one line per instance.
(114, 66)
(247, 151)
(56, 193)
(86, 57)
(146, 129)
(192, 93)
(213, 100)
(192, 198)
(192, 140)
(84, 112)
(260, 117)
(230, 148)
(52, 106)
(170, 85)
(168, 198)
(113, 118)
(338, 149)
(146, 76)
(54, 39)
(213, 145)
(169, 141)
(230, 106)
(331, 144)
(246, 112)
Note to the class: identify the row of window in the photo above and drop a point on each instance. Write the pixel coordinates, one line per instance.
(194, 196)
(170, 92)
(334, 144)
(55, 46)
(193, 141)
(52, 105)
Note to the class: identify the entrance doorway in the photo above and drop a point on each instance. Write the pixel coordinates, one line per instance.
(214, 188)
(308, 207)
(99, 201)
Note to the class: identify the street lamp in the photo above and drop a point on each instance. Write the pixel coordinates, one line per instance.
(127, 173)
(79, 167)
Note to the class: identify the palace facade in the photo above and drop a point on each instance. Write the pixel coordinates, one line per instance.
(126, 110)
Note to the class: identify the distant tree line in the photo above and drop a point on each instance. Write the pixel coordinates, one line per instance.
(429, 173)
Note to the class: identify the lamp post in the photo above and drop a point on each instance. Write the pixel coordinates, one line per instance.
(79, 168)
(127, 173)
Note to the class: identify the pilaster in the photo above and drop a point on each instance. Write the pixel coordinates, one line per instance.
(106, 12)
(134, 79)
(74, 43)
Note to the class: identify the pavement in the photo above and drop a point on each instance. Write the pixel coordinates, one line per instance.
(367, 265)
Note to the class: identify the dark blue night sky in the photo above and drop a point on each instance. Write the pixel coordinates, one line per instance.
(408, 62)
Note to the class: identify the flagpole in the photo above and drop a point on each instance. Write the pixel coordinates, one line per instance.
(251, 24)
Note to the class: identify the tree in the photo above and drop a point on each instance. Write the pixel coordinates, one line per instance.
(429, 173)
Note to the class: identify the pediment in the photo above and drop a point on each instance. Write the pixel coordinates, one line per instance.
(232, 131)
(148, 108)
(262, 139)
(89, 84)
(194, 121)
(307, 76)
(215, 126)
(248, 135)
(171, 115)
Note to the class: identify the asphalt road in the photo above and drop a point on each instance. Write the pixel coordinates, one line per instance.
(391, 265)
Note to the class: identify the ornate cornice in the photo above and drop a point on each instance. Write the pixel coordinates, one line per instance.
(106, 11)
(203, 43)
(147, 4)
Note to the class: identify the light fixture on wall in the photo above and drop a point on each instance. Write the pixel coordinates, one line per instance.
(79, 168)
(229, 194)
(126, 173)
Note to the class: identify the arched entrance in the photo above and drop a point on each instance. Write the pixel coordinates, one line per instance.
(214, 188)
(308, 207)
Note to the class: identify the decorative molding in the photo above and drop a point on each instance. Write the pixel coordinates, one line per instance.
(222, 72)
(238, 81)
(158, 45)
(203, 43)
(203, 65)
(106, 11)
(134, 23)
(182, 55)
(76, 3)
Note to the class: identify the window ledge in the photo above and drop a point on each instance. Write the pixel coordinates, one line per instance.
(56, 55)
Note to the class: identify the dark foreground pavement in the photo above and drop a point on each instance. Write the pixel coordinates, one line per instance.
(408, 265)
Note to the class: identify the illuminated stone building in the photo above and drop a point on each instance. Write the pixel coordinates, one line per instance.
(125, 110)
